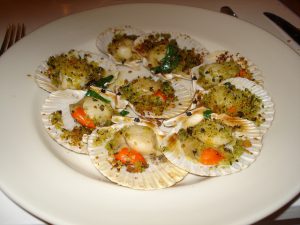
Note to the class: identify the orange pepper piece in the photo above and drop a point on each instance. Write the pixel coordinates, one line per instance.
(232, 110)
(129, 156)
(160, 94)
(210, 156)
(80, 116)
(242, 73)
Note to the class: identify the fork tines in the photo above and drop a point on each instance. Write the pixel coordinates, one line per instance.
(12, 35)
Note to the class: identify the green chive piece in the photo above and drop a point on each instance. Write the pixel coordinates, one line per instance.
(94, 94)
(103, 81)
(170, 61)
(207, 114)
(124, 113)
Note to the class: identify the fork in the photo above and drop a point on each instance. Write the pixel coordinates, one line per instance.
(13, 34)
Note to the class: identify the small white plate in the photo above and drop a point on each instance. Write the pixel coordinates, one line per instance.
(62, 187)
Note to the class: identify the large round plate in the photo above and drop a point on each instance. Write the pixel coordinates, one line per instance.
(62, 187)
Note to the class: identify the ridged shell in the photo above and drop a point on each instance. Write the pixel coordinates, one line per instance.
(182, 91)
(129, 74)
(226, 56)
(106, 37)
(160, 173)
(45, 83)
(176, 155)
(60, 101)
(267, 111)
(184, 41)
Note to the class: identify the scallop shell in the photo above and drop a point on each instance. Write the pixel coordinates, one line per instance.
(45, 83)
(160, 173)
(227, 56)
(106, 37)
(176, 155)
(60, 101)
(128, 74)
(182, 91)
(267, 111)
(183, 41)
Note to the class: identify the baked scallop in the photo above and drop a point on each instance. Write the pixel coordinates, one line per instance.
(208, 144)
(149, 108)
(240, 97)
(151, 97)
(75, 70)
(170, 54)
(117, 43)
(221, 65)
(128, 153)
(70, 116)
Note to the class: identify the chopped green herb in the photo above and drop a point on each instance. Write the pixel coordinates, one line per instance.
(103, 81)
(94, 94)
(124, 113)
(207, 113)
(170, 61)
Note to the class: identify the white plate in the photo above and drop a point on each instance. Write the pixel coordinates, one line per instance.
(62, 187)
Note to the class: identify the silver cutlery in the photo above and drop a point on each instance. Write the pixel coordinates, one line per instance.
(13, 34)
(227, 10)
(290, 29)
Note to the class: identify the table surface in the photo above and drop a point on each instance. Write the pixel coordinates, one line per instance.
(27, 12)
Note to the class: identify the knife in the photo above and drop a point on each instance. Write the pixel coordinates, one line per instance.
(290, 29)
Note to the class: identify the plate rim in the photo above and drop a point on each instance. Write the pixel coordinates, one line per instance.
(41, 214)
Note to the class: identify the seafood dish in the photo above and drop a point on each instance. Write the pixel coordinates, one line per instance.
(150, 107)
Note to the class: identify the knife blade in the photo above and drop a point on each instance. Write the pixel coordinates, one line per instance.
(290, 29)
